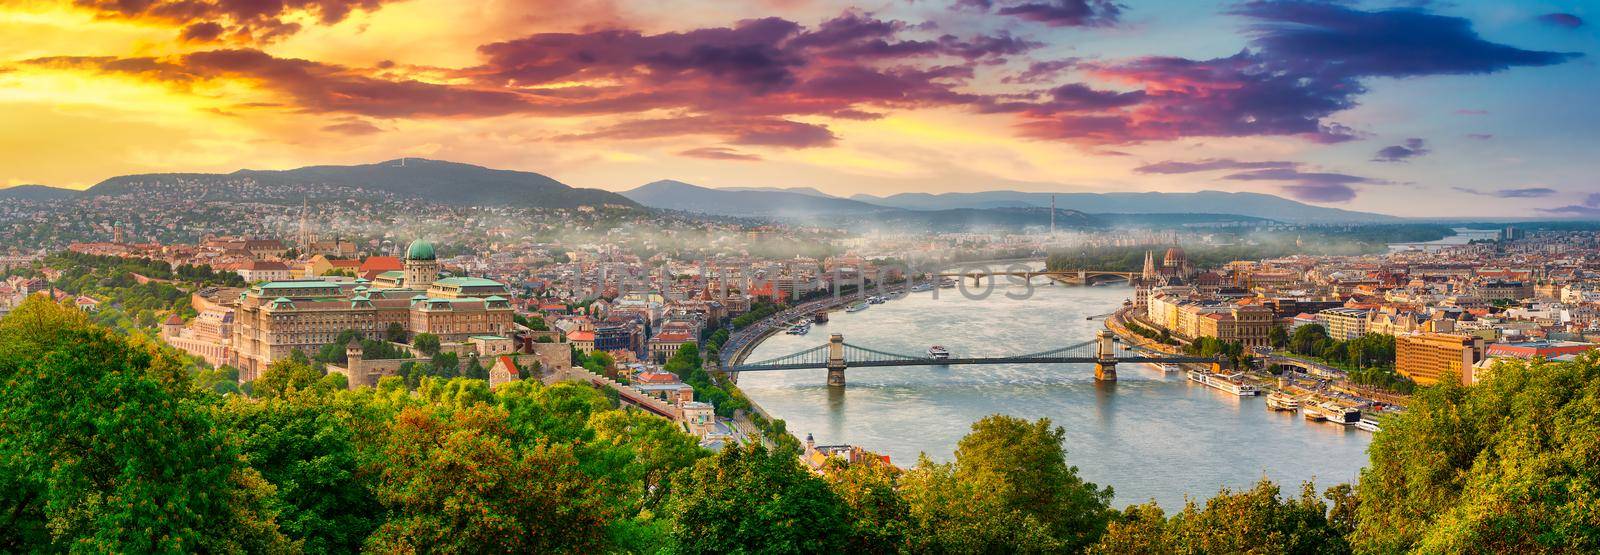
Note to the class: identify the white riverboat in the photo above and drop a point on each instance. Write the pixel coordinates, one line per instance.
(1368, 423)
(1281, 401)
(938, 352)
(1227, 384)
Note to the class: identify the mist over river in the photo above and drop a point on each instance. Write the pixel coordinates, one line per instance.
(1151, 435)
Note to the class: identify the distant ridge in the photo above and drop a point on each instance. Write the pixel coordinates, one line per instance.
(37, 193)
(440, 181)
(677, 195)
(1257, 205)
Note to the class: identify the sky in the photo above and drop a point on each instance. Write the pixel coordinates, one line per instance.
(1413, 108)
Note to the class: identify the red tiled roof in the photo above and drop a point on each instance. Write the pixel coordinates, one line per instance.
(381, 264)
(509, 366)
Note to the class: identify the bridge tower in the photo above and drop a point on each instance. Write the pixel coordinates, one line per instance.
(836, 360)
(1105, 365)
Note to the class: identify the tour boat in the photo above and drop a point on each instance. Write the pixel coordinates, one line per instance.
(1170, 367)
(947, 283)
(800, 328)
(1227, 384)
(1279, 400)
(1337, 414)
(938, 352)
(875, 299)
(1313, 412)
(922, 287)
(858, 307)
(1368, 423)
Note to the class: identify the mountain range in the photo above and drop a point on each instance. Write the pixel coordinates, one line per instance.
(810, 203)
(35, 193)
(435, 180)
(470, 185)
(1256, 205)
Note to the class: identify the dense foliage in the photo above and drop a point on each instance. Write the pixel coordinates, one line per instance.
(1367, 360)
(108, 443)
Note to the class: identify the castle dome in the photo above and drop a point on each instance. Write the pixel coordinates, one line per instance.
(419, 250)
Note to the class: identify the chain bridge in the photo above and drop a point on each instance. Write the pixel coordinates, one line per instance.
(836, 356)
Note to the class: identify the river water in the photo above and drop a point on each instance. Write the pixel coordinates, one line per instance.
(1150, 435)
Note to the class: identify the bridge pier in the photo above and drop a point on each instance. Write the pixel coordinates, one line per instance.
(836, 363)
(1105, 366)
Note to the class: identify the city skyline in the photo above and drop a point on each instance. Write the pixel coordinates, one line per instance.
(1470, 109)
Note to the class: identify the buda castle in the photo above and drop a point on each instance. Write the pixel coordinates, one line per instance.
(273, 319)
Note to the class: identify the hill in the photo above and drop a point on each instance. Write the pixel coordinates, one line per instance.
(1204, 202)
(36, 193)
(436, 180)
(677, 195)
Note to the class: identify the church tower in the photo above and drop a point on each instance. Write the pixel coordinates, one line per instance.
(422, 268)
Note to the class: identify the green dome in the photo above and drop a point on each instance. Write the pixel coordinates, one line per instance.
(419, 250)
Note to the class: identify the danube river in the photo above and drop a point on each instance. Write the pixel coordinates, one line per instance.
(1150, 435)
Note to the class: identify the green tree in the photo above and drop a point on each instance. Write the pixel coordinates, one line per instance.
(284, 376)
(309, 454)
(1257, 520)
(395, 333)
(880, 518)
(458, 483)
(98, 454)
(1504, 466)
(1021, 491)
(426, 343)
(751, 500)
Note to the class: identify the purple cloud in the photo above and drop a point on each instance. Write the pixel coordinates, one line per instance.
(1563, 20)
(1589, 208)
(718, 153)
(1055, 13)
(353, 127)
(1403, 152)
(1210, 164)
(1525, 192)
(1309, 186)
(1306, 61)
(1041, 72)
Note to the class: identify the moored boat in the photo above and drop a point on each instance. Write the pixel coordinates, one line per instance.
(858, 307)
(1368, 423)
(1227, 384)
(1279, 400)
(1339, 414)
(1313, 412)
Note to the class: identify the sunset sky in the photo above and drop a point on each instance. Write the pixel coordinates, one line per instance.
(1418, 108)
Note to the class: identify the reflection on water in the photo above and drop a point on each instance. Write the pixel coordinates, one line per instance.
(1151, 435)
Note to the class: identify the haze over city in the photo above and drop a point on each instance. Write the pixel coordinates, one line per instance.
(1418, 109)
